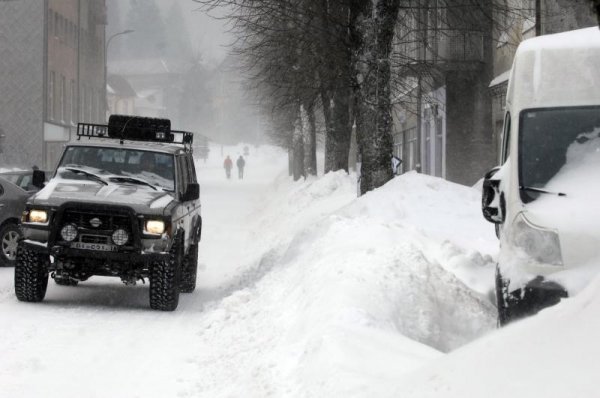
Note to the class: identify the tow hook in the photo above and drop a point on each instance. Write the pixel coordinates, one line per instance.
(56, 251)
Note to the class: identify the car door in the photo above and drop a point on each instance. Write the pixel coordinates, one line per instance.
(12, 201)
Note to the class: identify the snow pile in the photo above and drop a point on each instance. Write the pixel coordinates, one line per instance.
(554, 355)
(348, 291)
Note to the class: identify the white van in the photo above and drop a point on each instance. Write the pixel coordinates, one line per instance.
(545, 197)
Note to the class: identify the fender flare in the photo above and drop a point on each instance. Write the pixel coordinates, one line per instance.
(196, 233)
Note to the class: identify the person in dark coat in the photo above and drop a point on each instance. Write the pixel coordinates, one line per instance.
(240, 165)
(228, 164)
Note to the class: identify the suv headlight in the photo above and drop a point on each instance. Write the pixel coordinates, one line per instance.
(541, 244)
(155, 227)
(38, 216)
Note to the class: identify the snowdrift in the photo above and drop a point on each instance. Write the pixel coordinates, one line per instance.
(554, 355)
(346, 294)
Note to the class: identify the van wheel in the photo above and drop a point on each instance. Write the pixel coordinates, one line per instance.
(536, 295)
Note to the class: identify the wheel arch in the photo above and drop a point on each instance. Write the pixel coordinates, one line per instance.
(10, 220)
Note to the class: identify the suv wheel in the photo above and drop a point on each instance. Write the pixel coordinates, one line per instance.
(31, 275)
(190, 270)
(10, 234)
(165, 278)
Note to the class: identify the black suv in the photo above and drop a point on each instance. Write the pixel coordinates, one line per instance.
(123, 202)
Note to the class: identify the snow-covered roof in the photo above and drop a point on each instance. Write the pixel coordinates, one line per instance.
(501, 78)
(557, 70)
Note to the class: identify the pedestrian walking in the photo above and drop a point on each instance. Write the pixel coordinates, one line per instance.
(228, 164)
(240, 165)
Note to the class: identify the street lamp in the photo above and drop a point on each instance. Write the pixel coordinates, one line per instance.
(125, 32)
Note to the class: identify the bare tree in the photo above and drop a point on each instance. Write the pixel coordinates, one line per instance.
(374, 27)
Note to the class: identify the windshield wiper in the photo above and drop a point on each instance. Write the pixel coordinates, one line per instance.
(538, 190)
(87, 174)
(132, 180)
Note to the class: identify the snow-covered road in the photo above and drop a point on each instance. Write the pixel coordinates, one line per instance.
(303, 291)
(100, 338)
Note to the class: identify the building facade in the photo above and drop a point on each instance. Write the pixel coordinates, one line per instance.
(452, 61)
(51, 76)
(443, 66)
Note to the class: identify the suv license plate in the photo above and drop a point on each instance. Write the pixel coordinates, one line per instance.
(94, 246)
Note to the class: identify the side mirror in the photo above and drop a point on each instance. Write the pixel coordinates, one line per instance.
(38, 179)
(493, 204)
(192, 193)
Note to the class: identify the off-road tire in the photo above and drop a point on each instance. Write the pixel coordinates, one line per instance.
(165, 279)
(190, 270)
(31, 275)
(9, 236)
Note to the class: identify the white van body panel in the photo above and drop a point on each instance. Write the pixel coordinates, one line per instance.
(554, 71)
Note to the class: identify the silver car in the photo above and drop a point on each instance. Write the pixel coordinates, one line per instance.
(12, 204)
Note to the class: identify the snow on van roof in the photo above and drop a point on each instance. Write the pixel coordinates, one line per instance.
(557, 70)
(587, 38)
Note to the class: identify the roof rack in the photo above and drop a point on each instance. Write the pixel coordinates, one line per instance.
(135, 128)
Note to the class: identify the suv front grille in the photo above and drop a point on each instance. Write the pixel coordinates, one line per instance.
(96, 226)
(96, 221)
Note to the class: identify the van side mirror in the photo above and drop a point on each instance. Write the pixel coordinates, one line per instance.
(192, 193)
(38, 179)
(493, 204)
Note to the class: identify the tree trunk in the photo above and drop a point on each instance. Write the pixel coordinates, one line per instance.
(374, 25)
(310, 137)
(298, 153)
(335, 74)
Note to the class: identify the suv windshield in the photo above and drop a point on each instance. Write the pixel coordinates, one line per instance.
(156, 168)
(553, 142)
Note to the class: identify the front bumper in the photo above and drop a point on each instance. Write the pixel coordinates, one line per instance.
(61, 254)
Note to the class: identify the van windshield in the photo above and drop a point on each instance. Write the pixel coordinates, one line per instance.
(555, 146)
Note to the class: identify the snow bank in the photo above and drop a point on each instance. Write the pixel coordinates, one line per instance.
(448, 218)
(345, 294)
(554, 355)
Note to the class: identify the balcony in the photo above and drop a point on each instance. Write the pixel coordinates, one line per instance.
(446, 50)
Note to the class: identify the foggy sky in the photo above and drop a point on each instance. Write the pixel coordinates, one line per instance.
(209, 34)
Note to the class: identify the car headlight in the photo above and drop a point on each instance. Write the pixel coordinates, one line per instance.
(39, 216)
(155, 227)
(541, 244)
(120, 237)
